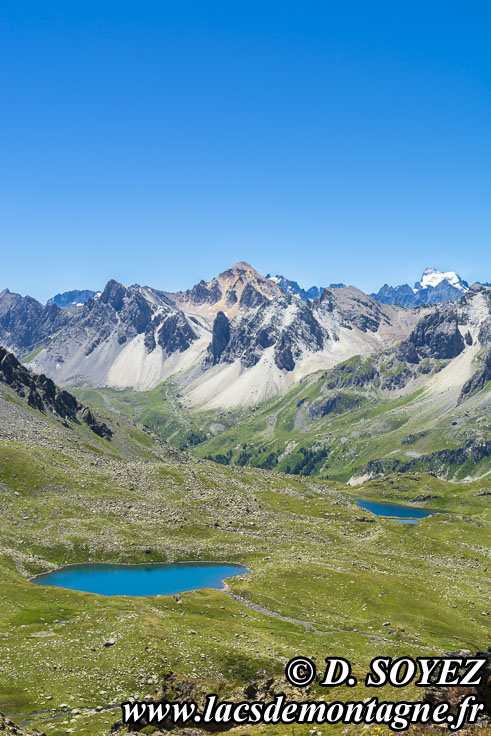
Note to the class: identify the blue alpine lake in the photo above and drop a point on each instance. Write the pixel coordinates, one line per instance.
(403, 514)
(141, 580)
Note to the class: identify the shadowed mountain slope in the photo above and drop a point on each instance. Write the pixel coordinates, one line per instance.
(41, 393)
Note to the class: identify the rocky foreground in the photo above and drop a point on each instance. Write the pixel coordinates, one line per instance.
(9, 728)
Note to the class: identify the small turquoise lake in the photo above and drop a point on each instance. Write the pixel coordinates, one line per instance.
(403, 514)
(141, 580)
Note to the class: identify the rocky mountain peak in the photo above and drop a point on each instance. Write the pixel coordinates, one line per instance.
(113, 294)
(106, 338)
(233, 291)
(242, 266)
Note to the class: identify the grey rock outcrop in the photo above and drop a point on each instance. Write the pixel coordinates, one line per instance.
(25, 322)
(247, 337)
(436, 335)
(220, 337)
(9, 728)
(41, 393)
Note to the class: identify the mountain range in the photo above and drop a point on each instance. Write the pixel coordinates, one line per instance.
(292, 287)
(236, 340)
(434, 287)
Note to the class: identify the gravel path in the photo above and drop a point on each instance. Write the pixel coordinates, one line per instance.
(309, 626)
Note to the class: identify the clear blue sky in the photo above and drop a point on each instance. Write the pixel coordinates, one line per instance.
(160, 142)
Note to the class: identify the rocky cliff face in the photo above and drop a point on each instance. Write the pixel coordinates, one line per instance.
(120, 339)
(353, 308)
(220, 338)
(445, 332)
(294, 329)
(265, 350)
(436, 335)
(42, 394)
(482, 374)
(285, 325)
(25, 322)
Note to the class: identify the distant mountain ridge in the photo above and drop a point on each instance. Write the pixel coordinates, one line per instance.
(292, 287)
(434, 287)
(225, 290)
(73, 298)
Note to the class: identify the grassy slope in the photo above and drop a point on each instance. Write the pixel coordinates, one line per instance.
(160, 409)
(369, 424)
(378, 427)
(69, 497)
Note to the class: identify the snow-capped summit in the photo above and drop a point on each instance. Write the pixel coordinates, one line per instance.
(432, 277)
(434, 287)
